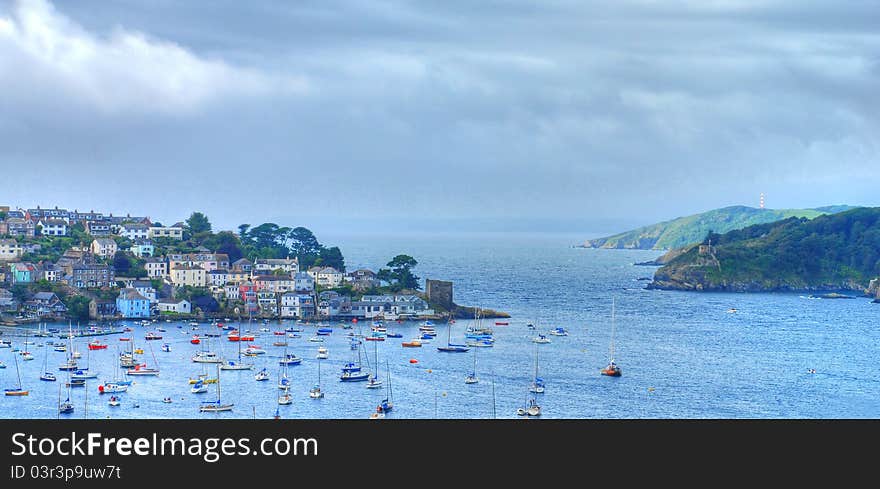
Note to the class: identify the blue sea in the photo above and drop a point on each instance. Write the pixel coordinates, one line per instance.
(683, 355)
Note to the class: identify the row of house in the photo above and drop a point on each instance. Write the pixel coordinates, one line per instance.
(57, 222)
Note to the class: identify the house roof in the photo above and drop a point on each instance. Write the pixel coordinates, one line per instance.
(105, 241)
(135, 226)
(53, 222)
(242, 261)
(8, 242)
(131, 295)
(141, 283)
(24, 267)
(187, 267)
(172, 301)
(44, 296)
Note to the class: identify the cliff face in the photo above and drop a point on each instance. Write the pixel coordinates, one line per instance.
(835, 252)
(873, 289)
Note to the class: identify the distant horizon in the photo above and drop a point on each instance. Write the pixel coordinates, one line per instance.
(340, 225)
(550, 115)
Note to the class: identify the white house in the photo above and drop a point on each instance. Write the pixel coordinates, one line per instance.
(326, 276)
(10, 250)
(232, 292)
(218, 277)
(182, 306)
(52, 227)
(295, 305)
(156, 267)
(186, 275)
(134, 231)
(173, 232)
(269, 265)
(104, 247)
(145, 288)
(303, 282)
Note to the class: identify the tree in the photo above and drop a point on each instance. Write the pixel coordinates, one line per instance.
(198, 223)
(121, 263)
(243, 231)
(399, 274)
(225, 242)
(303, 242)
(332, 257)
(78, 307)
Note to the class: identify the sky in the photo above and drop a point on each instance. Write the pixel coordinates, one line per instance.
(563, 115)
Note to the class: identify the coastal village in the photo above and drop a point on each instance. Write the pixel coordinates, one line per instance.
(69, 264)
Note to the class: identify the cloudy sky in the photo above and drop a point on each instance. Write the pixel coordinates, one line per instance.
(389, 111)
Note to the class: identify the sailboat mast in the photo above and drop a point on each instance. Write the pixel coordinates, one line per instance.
(612, 329)
(17, 372)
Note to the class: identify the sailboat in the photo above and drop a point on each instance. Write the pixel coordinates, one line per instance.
(452, 347)
(284, 398)
(215, 406)
(26, 355)
(612, 370)
(65, 407)
(142, 369)
(236, 365)
(531, 409)
(387, 404)
(17, 391)
(373, 381)
(116, 385)
(537, 386)
(47, 375)
(315, 392)
(472, 378)
(206, 355)
(352, 372)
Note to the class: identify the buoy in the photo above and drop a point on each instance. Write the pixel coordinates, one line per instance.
(430, 371)
(100, 388)
(413, 360)
(650, 389)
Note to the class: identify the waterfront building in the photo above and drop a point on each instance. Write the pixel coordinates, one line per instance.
(300, 306)
(100, 309)
(132, 305)
(177, 306)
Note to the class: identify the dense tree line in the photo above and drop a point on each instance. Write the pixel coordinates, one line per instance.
(827, 249)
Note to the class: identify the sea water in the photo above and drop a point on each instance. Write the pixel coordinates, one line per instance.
(683, 355)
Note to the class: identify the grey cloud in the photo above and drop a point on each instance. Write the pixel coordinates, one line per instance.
(634, 110)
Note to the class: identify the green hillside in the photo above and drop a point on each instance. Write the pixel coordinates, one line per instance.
(831, 252)
(692, 229)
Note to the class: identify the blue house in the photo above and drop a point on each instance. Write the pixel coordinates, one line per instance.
(131, 304)
(23, 273)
